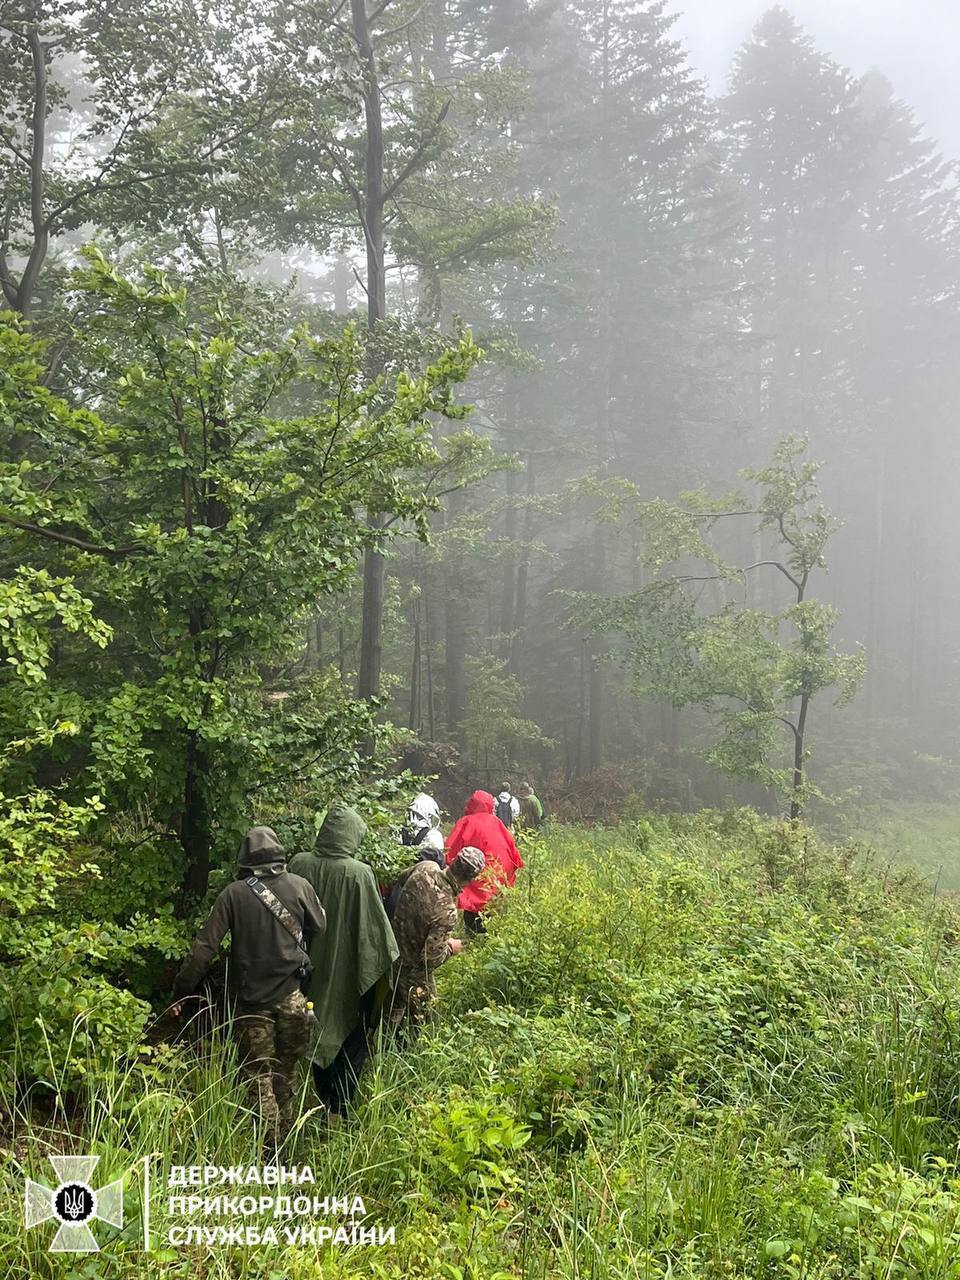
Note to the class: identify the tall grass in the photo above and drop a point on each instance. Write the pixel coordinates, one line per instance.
(669, 1057)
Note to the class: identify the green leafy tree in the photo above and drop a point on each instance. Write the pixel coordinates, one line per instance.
(498, 737)
(755, 672)
(57, 1006)
(213, 497)
(106, 121)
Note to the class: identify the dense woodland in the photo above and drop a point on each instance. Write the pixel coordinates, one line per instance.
(449, 389)
(455, 393)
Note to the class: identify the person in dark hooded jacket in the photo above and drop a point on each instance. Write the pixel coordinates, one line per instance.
(264, 973)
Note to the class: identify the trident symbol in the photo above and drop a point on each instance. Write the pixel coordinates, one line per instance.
(73, 1204)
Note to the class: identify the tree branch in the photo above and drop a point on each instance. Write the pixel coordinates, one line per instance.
(774, 564)
(53, 535)
(41, 234)
(414, 161)
(395, 31)
(7, 282)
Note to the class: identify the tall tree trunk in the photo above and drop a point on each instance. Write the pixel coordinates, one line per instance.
(523, 574)
(596, 670)
(371, 627)
(595, 757)
(507, 621)
(455, 632)
(415, 717)
(430, 702)
(195, 825)
(456, 655)
(796, 798)
(20, 296)
(583, 708)
(341, 285)
(374, 567)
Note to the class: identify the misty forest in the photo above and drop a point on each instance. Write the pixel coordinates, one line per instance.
(404, 395)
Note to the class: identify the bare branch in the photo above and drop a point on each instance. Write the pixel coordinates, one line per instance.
(775, 564)
(360, 281)
(12, 146)
(395, 31)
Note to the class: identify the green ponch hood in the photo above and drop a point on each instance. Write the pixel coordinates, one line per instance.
(358, 949)
(341, 834)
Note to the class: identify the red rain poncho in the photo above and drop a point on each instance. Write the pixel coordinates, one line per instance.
(480, 828)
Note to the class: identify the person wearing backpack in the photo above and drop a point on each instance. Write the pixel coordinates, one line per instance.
(421, 830)
(506, 807)
(273, 918)
(424, 922)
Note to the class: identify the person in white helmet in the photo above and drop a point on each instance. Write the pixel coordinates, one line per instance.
(421, 830)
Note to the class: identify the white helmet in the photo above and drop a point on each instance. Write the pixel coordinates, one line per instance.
(423, 811)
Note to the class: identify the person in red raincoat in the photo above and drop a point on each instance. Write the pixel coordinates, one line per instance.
(482, 829)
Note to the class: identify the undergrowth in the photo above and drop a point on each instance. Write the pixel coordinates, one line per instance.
(688, 1046)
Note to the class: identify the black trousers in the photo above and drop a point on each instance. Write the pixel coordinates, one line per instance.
(336, 1084)
(473, 922)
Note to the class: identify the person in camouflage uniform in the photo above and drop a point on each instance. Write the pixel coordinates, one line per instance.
(270, 1021)
(271, 1042)
(423, 924)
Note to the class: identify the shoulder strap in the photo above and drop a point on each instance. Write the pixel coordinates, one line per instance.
(276, 909)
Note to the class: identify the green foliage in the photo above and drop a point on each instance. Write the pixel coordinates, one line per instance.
(737, 1053)
(497, 736)
(235, 477)
(55, 1006)
(184, 529)
(755, 671)
(471, 1142)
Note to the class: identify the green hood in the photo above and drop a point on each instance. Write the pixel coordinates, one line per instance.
(358, 948)
(342, 831)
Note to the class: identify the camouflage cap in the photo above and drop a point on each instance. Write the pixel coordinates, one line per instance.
(468, 864)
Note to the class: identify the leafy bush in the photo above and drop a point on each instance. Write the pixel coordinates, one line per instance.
(702, 1045)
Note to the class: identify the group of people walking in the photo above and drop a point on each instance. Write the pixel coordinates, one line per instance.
(319, 956)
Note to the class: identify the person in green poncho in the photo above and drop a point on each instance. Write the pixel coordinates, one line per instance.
(352, 961)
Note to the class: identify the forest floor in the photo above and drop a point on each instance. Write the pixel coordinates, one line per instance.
(688, 1047)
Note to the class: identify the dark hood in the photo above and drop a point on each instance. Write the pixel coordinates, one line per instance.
(260, 847)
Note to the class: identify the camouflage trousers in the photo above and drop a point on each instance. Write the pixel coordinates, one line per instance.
(271, 1042)
(413, 998)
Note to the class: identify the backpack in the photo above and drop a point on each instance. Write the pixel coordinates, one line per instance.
(504, 811)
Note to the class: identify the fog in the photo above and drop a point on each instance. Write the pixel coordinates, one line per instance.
(914, 42)
(682, 234)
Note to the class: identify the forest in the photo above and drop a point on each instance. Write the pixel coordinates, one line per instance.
(404, 394)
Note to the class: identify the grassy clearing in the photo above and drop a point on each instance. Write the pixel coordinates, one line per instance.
(688, 1047)
(924, 835)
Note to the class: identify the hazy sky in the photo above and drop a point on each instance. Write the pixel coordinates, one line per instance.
(915, 43)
